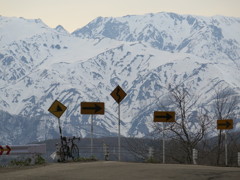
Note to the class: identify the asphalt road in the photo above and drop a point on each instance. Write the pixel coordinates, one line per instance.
(120, 171)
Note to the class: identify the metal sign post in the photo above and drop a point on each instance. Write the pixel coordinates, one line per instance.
(119, 134)
(225, 124)
(164, 116)
(91, 135)
(238, 158)
(226, 149)
(57, 109)
(92, 108)
(118, 95)
(60, 130)
(163, 143)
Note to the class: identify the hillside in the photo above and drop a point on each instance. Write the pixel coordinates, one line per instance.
(143, 54)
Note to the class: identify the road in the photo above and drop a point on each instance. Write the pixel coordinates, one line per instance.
(108, 170)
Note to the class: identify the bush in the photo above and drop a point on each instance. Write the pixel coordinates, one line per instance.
(39, 160)
(151, 160)
(28, 161)
(21, 162)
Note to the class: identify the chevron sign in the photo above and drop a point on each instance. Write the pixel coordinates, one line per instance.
(6, 149)
(23, 149)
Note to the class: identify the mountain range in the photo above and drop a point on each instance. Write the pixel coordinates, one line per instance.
(144, 54)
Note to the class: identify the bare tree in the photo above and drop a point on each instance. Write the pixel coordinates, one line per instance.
(192, 120)
(225, 105)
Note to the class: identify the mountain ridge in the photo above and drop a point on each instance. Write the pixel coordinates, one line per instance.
(46, 65)
(165, 28)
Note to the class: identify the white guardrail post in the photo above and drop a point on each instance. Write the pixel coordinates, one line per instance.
(195, 156)
(22, 149)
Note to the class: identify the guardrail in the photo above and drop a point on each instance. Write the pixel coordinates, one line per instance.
(22, 149)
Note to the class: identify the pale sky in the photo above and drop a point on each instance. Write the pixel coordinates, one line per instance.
(74, 14)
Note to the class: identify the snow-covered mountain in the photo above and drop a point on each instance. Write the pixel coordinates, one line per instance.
(215, 37)
(142, 54)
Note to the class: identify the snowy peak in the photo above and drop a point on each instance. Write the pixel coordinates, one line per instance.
(13, 29)
(61, 29)
(172, 32)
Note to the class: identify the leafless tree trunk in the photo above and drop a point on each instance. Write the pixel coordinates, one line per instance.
(192, 120)
(225, 104)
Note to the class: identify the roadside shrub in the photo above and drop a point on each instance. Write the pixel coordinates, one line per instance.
(21, 162)
(39, 160)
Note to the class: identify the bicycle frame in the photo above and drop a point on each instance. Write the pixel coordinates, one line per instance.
(68, 149)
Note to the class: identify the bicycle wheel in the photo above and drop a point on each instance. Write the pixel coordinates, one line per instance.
(63, 153)
(74, 152)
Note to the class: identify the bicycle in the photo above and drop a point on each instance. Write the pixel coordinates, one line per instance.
(68, 149)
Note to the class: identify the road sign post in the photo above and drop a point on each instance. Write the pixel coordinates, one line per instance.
(164, 116)
(225, 124)
(92, 108)
(163, 143)
(60, 130)
(226, 149)
(119, 133)
(238, 158)
(91, 135)
(118, 95)
(57, 109)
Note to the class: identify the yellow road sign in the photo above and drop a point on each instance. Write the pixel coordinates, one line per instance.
(118, 94)
(164, 116)
(225, 124)
(92, 108)
(57, 109)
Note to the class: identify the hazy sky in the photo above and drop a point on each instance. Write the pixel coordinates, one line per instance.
(73, 14)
